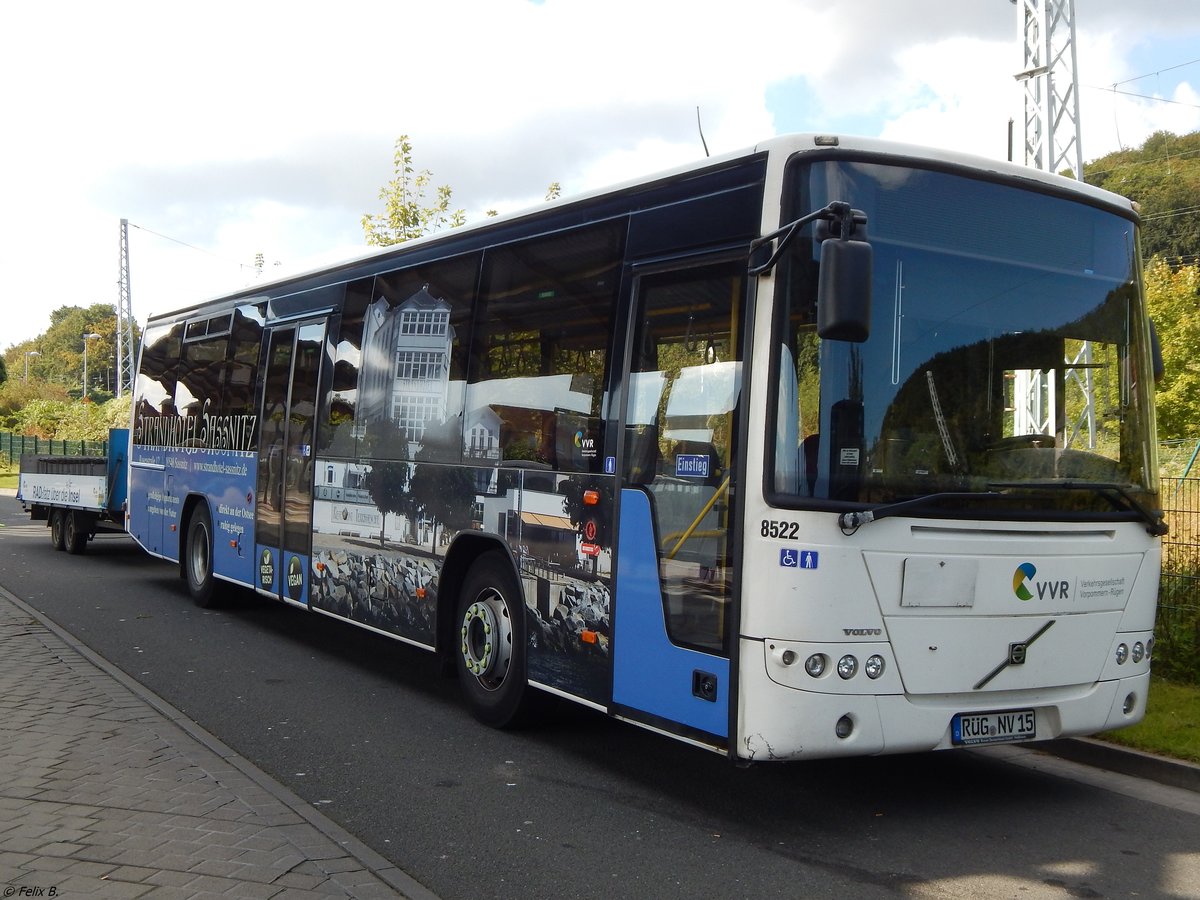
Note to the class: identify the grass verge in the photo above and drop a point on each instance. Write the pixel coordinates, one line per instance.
(1172, 723)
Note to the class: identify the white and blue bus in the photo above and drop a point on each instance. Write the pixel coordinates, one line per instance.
(829, 447)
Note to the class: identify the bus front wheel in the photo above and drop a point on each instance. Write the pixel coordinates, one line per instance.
(197, 558)
(490, 655)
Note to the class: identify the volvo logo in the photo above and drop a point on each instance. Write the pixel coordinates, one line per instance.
(1017, 653)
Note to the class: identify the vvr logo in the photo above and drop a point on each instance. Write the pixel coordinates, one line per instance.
(1023, 580)
(583, 442)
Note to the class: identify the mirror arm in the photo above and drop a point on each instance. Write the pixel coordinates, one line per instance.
(837, 211)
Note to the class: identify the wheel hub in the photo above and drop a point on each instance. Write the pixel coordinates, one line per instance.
(486, 641)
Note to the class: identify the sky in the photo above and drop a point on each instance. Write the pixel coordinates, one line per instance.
(222, 130)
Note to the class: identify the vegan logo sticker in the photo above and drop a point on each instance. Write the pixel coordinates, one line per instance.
(266, 569)
(295, 578)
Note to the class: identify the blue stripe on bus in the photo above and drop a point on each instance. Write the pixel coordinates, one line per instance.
(649, 672)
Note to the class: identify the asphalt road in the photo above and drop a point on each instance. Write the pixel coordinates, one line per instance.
(582, 806)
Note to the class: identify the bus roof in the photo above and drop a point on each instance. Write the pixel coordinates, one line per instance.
(785, 145)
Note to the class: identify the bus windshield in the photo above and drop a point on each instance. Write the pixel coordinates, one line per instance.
(1007, 364)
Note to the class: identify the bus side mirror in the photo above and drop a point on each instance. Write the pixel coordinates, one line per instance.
(844, 291)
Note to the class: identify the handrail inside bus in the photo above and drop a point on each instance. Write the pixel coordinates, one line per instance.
(696, 523)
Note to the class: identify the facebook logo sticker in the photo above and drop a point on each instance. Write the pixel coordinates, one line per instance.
(791, 558)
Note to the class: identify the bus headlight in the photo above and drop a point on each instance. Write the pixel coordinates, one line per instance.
(1122, 654)
(847, 666)
(1139, 652)
(815, 665)
(873, 666)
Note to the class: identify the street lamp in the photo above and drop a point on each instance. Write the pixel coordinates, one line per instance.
(87, 336)
(29, 353)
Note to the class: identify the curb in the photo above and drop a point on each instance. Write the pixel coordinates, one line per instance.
(377, 865)
(1125, 760)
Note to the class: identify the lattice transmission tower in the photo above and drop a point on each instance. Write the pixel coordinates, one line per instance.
(126, 348)
(1051, 85)
(1050, 81)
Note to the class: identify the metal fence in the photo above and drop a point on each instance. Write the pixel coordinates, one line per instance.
(12, 446)
(1177, 632)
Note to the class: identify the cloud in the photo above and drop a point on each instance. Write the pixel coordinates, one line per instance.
(268, 127)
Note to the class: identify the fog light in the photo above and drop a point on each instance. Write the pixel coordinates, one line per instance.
(873, 667)
(844, 727)
(1130, 704)
(1122, 654)
(847, 666)
(815, 665)
(1139, 652)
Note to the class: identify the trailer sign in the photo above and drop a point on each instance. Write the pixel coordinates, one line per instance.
(83, 491)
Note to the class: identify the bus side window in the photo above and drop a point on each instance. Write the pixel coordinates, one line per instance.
(540, 359)
(155, 385)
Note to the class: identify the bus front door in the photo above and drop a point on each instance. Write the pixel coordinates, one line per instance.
(284, 511)
(675, 571)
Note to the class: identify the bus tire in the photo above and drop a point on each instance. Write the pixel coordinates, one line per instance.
(75, 532)
(198, 558)
(58, 539)
(490, 656)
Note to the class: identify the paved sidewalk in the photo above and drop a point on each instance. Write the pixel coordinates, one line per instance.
(108, 791)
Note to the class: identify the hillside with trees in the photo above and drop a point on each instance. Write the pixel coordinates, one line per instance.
(1163, 178)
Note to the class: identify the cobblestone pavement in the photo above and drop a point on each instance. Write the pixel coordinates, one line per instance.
(107, 791)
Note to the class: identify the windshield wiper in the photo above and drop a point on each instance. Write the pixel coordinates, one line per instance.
(849, 522)
(1155, 524)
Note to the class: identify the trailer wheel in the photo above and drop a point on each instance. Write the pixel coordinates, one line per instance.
(75, 532)
(197, 558)
(58, 538)
(491, 651)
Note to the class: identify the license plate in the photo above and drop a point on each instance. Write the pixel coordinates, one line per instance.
(993, 727)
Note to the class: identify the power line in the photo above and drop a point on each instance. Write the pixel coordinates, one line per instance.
(1170, 157)
(1113, 90)
(1159, 72)
(167, 237)
(1170, 214)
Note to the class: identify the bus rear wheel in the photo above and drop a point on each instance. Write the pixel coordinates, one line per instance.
(58, 539)
(198, 558)
(491, 642)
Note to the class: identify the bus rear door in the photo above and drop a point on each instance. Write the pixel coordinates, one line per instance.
(284, 507)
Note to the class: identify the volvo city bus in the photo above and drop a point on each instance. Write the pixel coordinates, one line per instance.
(829, 447)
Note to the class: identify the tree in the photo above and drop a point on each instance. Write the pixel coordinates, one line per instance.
(444, 494)
(407, 212)
(60, 348)
(1173, 296)
(388, 480)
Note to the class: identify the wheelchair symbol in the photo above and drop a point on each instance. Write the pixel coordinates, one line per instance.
(791, 558)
